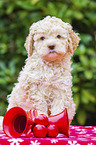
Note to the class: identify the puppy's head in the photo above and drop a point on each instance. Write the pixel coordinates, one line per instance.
(51, 38)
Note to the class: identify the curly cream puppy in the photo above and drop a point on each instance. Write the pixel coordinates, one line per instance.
(45, 81)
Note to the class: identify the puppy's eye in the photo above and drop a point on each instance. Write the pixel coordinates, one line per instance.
(58, 36)
(42, 38)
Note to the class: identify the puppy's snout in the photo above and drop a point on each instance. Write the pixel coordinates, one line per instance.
(51, 47)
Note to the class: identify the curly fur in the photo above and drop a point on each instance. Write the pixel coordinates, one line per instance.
(45, 81)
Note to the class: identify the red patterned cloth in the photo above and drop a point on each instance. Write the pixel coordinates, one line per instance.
(79, 135)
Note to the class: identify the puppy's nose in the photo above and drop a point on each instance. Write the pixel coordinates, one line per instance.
(51, 47)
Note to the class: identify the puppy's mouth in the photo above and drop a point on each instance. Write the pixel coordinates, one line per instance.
(53, 52)
(52, 56)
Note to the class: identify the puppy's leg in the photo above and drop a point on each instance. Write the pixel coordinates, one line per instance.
(62, 101)
(19, 97)
(1, 123)
(39, 103)
(30, 98)
(57, 106)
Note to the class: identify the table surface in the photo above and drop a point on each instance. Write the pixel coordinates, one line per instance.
(79, 135)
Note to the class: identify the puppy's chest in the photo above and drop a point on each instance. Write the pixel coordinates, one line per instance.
(51, 77)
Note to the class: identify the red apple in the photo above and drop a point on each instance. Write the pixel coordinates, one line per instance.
(52, 130)
(61, 121)
(41, 119)
(40, 131)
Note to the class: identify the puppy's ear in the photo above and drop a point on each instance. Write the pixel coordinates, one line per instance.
(28, 44)
(73, 40)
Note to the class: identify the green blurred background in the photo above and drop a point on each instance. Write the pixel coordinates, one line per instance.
(16, 16)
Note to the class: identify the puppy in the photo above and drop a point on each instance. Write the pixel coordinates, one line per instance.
(45, 81)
